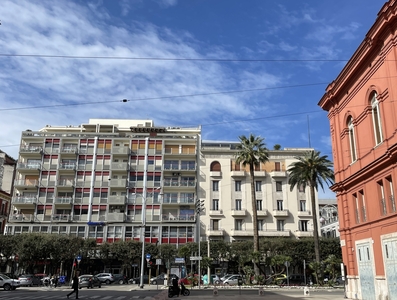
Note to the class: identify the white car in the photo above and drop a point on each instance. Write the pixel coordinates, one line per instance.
(8, 283)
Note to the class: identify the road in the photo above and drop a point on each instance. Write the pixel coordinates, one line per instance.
(132, 292)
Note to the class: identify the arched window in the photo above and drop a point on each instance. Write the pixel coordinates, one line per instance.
(215, 166)
(376, 119)
(352, 139)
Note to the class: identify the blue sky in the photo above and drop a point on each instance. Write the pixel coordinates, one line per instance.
(235, 67)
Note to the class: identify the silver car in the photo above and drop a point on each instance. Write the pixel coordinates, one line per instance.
(105, 277)
(232, 280)
(8, 283)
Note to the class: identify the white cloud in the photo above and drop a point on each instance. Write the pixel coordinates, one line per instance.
(166, 3)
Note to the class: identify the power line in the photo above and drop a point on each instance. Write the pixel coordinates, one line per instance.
(164, 97)
(170, 58)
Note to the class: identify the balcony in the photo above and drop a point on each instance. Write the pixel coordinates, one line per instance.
(121, 150)
(238, 173)
(63, 201)
(21, 218)
(216, 213)
(215, 232)
(115, 217)
(242, 232)
(281, 213)
(67, 167)
(239, 212)
(304, 213)
(23, 201)
(280, 173)
(306, 233)
(66, 183)
(260, 173)
(119, 166)
(33, 150)
(262, 213)
(121, 183)
(179, 183)
(26, 183)
(29, 167)
(177, 218)
(60, 218)
(274, 232)
(216, 174)
(69, 150)
(171, 167)
(117, 199)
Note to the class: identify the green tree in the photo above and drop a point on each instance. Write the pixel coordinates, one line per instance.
(252, 152)
(311, 170)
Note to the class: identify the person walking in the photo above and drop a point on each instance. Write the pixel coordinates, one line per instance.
(75, 285)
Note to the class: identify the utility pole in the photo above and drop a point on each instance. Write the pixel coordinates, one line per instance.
(199, 209)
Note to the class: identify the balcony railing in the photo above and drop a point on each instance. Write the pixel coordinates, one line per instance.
(274, 232)
(66, 182)
(31, 149)
(383, 206)
(172, 218)
(262, 213)
(177, 200)
(21, 218)
(178, 183)
(26, 182)
(278, 173)
(215, 231)
(60, 218)
(239, 212)
(119, 166)
(120, 150)
(304, 213)
(24, 200)
(392, 203)
(118, 183)
(67, 166)
(216, 212)
(171, 167)
(63, 200)
(29, 166)
(69, 150)
(117, 199)
(115, 217)
(281, 213)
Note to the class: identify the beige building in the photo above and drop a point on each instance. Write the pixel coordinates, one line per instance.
(225, 188)
(92, 180)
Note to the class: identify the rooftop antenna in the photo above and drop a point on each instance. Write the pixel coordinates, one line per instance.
(308, 130)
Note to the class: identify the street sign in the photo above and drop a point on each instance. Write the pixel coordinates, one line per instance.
(158, 261)
(148, 256)
(196, 258)
(179, 260)
(134, 265)
(78, 258)
(287, 264)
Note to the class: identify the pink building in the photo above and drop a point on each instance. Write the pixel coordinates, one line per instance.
(362, 108)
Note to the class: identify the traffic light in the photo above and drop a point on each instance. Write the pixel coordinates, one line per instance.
(151, 263)
(199, 206)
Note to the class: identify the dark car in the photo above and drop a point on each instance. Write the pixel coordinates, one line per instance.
(89, 281)
(120, 278)
(137, 280)
(294, 279)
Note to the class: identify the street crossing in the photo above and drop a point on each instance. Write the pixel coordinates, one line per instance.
(9, 296)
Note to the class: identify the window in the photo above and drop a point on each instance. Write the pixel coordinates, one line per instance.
(260, 225)
(277, 166)
(302, 205)
(301, 188)
(259, 205)
(237, 186)
(381, 193)
(238, 204)
(363, 210)
(391, 194)
(215, 185)
(280, 205)
(303, 225)
(279, 186)
(355, 199)
(352, 140)
(258, 186)
(238, 224)
(215, 225)
(215, 166)
(376, 119)
(215, 204)
(280, 225)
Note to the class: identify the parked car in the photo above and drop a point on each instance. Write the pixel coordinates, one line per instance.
(107, 278)
(29, 280)
(8, 283)
(232, 280)
(89, 281)
(158, 279)
(187, 280)
(227, 276)
(120, 278)
(215, 279)
(340, 280)
(137, 280)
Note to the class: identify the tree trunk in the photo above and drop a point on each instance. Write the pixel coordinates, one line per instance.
(254, 217)
(315, 224)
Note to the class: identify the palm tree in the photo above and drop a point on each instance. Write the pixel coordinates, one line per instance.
(252, 151)
(312, 170)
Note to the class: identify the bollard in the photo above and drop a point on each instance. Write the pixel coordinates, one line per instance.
(215, 292)
(261, 292)
(306, 292)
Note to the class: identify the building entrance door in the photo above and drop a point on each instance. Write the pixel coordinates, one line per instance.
(390, 261)
(366, 271)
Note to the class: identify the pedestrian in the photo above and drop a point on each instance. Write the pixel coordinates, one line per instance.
(75, 285)
(56, 278)
(175, 286)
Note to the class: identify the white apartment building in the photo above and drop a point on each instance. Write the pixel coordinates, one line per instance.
(92, 180)
(225, 187)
